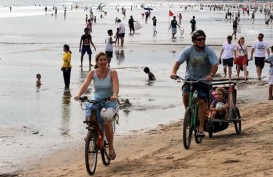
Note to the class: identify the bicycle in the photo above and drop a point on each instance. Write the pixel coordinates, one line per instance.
(95, 139)
(191, 121)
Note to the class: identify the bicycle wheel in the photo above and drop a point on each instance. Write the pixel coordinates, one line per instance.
(91, 153)
(237, 123)
(198, 139)
(105, 155)
(187, 130)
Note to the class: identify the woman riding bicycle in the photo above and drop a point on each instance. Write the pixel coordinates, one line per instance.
(106, 84)
(202, 64)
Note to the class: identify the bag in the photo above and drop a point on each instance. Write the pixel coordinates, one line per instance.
(137, 25)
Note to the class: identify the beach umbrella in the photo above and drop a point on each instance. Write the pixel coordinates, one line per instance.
(148, 8)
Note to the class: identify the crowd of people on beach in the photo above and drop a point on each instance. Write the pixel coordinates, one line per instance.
(201, 60)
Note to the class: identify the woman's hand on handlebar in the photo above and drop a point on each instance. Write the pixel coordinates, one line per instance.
(77, 98)
(114, 98)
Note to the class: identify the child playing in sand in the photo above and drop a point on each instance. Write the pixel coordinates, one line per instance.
(219, 104)
(38, 82)
(270, 75)
(151, 76)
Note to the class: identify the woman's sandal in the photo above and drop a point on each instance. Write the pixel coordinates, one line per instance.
(113, 155)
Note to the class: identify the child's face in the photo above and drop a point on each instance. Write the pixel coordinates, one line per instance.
(38, 77)
(219, 95)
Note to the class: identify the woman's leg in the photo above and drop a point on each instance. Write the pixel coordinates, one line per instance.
(238, 70)
(245, 72)
(109, 136)
(270, 92)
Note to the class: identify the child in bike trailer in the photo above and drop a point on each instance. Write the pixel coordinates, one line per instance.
(219, 104)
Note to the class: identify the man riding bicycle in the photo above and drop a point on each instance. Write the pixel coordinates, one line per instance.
(202, 64)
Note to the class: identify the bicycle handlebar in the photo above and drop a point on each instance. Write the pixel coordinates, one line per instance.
(85, 98)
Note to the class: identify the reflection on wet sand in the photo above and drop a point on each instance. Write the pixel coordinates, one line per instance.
(65, 113)
(120, 56)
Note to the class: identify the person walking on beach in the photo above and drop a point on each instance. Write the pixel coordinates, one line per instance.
(235, 26)
(66, 67)
(193, 24)
(270, 76)
(131, 24)
(121, 32)
(228, 51)
(259, 48)
(202, 64)
(85, 46)
(173, 26)
(179, 18)
(106, 84)
(242, 57)
(89, 25)
(154, 24)
(109, 46)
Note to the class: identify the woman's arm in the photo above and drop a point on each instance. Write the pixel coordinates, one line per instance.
(85, 85)
(114, 77)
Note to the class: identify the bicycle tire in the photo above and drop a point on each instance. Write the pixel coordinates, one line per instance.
(187, 130)
(105, 155)
(237, 123)
(91, 153)
(198, 139)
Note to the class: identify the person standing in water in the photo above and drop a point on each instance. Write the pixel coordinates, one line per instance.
(66, 68)
(85, 46)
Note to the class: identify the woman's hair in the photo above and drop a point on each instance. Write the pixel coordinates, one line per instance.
(240, 39)
(220, 89)
(97, 58)
(67, 48)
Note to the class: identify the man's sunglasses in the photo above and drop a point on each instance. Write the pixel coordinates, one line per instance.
(200, 39)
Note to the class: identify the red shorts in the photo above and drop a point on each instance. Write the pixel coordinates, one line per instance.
(242, 60)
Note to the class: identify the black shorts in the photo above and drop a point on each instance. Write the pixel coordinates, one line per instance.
(228, 62)
(259, 61)
(203, 90)
(121, 35)
(86, 48)
(109, 54)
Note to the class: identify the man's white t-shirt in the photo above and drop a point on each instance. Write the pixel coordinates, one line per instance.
(121, 28)
(228, 50)
(260, 48)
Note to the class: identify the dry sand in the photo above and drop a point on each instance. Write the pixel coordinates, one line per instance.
(160, 152)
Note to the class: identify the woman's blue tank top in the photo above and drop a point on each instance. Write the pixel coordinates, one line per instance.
(103, 88)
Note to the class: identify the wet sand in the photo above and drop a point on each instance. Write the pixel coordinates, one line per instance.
(160, 151)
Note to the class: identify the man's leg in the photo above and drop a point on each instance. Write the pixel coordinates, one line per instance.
(229, 72)
(186, 97)
(81, 60)
(203, 108)
(225, 70)
(121, 41)
(259, 72)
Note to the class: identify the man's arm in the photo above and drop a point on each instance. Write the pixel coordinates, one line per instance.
(268, 52)
(174, 70)
(251, 55)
